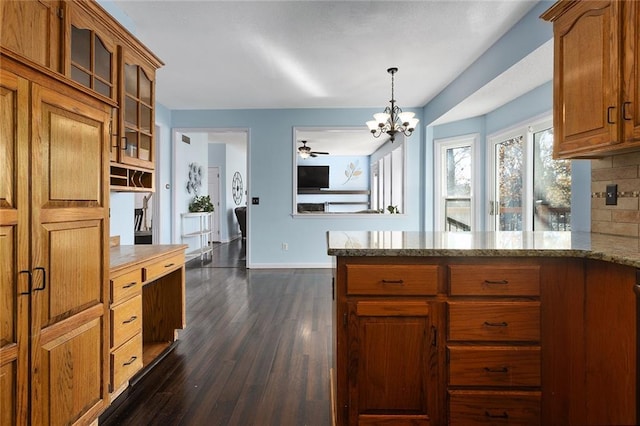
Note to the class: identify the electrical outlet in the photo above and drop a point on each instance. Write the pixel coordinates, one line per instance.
(611, 198)
(285, 246)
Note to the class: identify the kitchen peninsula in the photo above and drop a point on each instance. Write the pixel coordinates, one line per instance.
(485, 328)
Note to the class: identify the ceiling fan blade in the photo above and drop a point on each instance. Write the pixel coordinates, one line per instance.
(313, 154)
(318, 152)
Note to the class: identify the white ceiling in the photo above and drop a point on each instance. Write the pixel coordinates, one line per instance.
(307, 54)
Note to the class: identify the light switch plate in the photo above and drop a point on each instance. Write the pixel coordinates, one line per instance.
(612, 195)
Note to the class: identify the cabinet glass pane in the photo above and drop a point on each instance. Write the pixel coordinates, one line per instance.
(102, 88)
(145, 147)
(102, 60)
(145, 88)
(81, 47)
(131, 150)
(131, 79)
(130, 111)
(145, 118)
(80, 76)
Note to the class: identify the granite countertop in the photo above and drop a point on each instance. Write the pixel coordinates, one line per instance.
(615, 249)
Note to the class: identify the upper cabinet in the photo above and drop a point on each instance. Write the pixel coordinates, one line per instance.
(107, 59)
(41, 40)
(596, 90)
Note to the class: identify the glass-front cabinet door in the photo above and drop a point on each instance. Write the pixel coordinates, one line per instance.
(92, 58)
(136, 143)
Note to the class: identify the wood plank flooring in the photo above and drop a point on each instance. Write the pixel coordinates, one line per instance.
(256, 351)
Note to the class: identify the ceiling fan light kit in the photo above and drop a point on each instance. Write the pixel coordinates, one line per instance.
(305, 151)
(392, 120)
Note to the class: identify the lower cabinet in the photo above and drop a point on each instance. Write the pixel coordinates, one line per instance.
(485, 341)
(392, 353)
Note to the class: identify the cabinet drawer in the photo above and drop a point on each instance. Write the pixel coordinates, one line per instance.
(392, 279)
(158, 269)
(467, 408)
(126, 321)
(494, 366)
(125, 286)
(126, 361)
(494, 321)
(497, 280)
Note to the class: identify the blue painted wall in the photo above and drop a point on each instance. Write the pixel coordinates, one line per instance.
(271, 166)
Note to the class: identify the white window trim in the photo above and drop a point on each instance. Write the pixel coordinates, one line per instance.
(525, 128)
(440, 146)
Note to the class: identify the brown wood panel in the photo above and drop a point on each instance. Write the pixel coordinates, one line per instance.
(126, 361)
(586, 78)
(494, 366)
(392, 279)
(162, 312)
(40, 40)
(156, 270)
(126, 321)
(610, 364)
(126, 285)
(494, 321)
(631, 75)
(469, 408)
(74, 380)
(14, 234)
(389, 358)
(494, 280)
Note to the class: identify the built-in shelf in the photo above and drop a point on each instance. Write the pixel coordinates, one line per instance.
(333, 191)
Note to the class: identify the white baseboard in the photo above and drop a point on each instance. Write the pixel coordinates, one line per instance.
(290, 266)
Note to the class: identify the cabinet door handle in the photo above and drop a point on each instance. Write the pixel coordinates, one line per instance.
(501, 282)
(624, 111)
(495, 324)
(169, 265)
(392, 281)
(44, 278)
(29, 283)
(504, 415)
(496, 370)
(131, 284)
(131, 360)
(611, 108)
(130, 320)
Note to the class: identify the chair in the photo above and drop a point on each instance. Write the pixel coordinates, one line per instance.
(241, 215)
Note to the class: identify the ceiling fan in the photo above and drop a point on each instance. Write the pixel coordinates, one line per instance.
(306, 152)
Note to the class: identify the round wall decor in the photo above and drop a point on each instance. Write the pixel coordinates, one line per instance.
(236, 187)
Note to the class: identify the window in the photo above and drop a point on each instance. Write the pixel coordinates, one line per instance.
(455, 184)
(387, 181)
(528, 189)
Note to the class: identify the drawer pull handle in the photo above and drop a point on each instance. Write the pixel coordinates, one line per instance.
(131, 284)
(392, 281)
(501, 282)
(169, 265)
(504, 415)
(495, 324)
(131, 360)
(130, 320)
(496, 370)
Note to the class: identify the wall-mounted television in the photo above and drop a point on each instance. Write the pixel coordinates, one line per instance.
(313, 177)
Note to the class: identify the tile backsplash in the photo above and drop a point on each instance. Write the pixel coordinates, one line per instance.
(623, 218)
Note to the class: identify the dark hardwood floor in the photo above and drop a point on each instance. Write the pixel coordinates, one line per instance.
(256, 351)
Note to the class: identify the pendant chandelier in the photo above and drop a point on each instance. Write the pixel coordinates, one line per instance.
(392, 120)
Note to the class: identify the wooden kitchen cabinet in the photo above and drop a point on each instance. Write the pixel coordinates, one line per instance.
(596, 79)
(493, 343)
(41, 40)
(110, 61)
(53, 216)
(388, 359)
